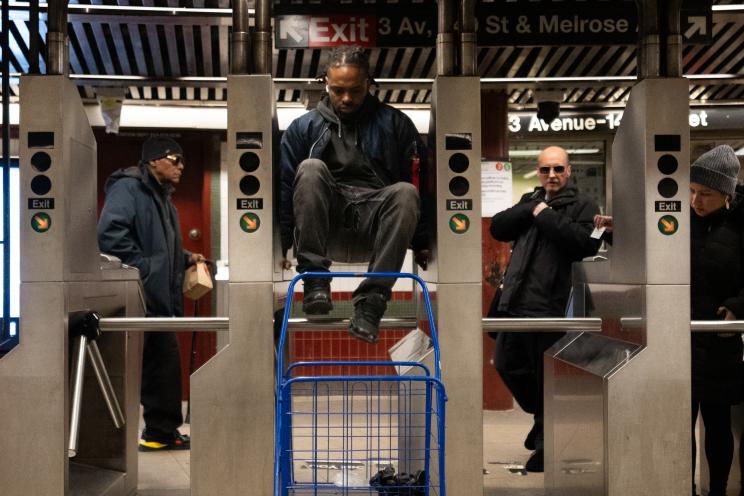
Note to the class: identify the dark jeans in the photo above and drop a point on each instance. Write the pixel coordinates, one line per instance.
(161, 386)
(519, 361)
(719, 443)
(352, 224)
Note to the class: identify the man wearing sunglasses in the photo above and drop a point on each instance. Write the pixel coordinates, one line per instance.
(139, 224)
(550, 228)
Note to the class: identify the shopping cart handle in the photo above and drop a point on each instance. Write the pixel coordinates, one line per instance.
(404, 275)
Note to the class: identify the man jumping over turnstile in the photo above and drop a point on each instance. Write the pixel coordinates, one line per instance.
(550, 229)
(347, 192)
(139, 224)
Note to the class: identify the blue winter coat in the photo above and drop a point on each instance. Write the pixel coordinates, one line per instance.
(139, 224)
(386, 135)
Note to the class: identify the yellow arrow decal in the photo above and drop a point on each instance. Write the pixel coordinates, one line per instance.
(42, 223)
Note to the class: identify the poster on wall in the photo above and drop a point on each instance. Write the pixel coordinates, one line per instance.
(496, 187)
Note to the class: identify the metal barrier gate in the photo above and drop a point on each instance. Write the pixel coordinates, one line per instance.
(62, 273)
(232, 409)
(455, 273)
(618, 387)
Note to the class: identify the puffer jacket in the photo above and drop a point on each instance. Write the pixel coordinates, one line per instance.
(139, 224)
(386, 135)
(716, 280)
(538, 280)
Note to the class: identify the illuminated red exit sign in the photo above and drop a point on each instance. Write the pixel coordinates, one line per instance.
(318, 31)
(315, 30)
(335, 30)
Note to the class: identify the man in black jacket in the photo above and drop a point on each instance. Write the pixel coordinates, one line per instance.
(550, 229)
(139, 224)
(347, 192)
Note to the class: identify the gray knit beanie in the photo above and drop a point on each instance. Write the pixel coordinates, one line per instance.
(717, 169)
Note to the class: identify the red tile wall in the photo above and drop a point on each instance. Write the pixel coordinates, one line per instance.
(320, 345)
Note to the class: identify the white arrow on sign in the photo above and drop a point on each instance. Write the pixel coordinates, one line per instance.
(287, 28)
(698, 25)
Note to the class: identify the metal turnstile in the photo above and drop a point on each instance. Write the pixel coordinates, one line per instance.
(455, 273)
(232, 395)
(618, 404)
(62, 273)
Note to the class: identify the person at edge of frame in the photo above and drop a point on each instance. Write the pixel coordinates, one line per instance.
(139, 224)
(550, 229)
(347, 192)
(716, 292)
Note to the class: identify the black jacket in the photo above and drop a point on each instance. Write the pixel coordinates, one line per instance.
(385, 135)
(139, 224)
(716, 280)
(538, 280)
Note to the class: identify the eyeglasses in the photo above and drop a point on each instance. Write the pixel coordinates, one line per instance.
(175, 160)
(545, 170)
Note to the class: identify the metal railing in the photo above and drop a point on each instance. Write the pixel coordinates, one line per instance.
(542, 325)
(221, 324)
(163, 324)
(717, 326)
(218, 324)
(336, 324)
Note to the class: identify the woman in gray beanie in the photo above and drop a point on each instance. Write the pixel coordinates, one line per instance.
(717, 292)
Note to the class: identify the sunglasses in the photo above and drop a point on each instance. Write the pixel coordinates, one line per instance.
(175, 159)
(545, 170)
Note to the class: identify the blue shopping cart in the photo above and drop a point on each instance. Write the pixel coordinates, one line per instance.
(346, 434)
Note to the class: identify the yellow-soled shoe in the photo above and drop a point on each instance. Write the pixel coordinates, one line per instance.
(180, 442)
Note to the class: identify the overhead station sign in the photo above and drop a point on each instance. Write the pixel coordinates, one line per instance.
(367, 25)
(572, 22)
(412, 23)
(549, 23)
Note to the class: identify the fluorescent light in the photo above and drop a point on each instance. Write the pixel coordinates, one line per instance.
(530, 174)
(106, 77)
(740, 152)
(535, 153)
(15, 112)
(560, 79)
(712, 76)
(524, 153)
(582, 151)
(202, 117)
(732, 7)
(132, 9)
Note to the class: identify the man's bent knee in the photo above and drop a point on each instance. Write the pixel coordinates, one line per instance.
(405, 195)
(311, 168)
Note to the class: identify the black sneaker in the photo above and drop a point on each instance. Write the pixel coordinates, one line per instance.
(179, 442)
(317, 298)
(368, 310)
(536, 462)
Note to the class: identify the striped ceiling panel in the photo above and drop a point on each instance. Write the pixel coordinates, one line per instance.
(154, 54)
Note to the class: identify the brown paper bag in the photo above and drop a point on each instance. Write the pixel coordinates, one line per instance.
(197, 282)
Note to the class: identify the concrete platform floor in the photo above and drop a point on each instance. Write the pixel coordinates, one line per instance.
(167, 474)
